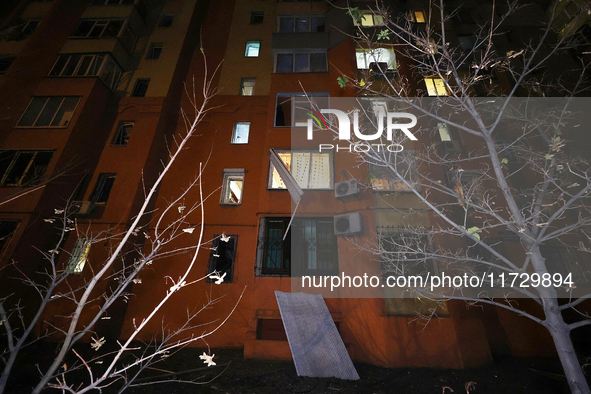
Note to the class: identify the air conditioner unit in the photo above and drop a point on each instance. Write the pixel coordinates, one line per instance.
(81, 208)
(346, 189)
(451, 147)
(347, 224)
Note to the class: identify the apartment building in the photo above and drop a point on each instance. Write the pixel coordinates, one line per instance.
(92, 93)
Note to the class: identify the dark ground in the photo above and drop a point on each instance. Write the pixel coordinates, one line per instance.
(263, 376)
(506, 376)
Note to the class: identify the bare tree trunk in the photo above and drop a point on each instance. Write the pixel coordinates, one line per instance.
(564, 346)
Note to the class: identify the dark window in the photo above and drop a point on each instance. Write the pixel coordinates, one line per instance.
(310, 242)
(122, 135)
(96, 28)
(5, 62)
(55, 111)
(141, 87)
(166, 20)
(29, 28)
(467, 42)
(301, 24)
(256, 17)
(463, 16)
(20, 168)
(292, 108)
(223, 254)
(142, 10)
(7, 229)
(101, 192)
(271, 330)
(154, 51)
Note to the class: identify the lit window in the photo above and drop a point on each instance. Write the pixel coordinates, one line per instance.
(384, 179)
(301, 24)
(221, 258)
(87, 65)
(247, 86)
(122, 135)
(310, 170)
(367, 59)
(436, 86)
(418, 16)
(256, 17)
(444, 133)
(79, 256)
(96, 28)
(19, 168)
(166, 20)
(368, 18)
(155, 50)
(103, 187)
(233, 186)
(55, 111)
(240, 134)
(252, 49)
(140, 88)
(301, 62)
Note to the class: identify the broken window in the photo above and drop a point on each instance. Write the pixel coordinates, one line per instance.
(122, 135)
(222, 256)
(79, 256)
(101, 192)
(23, 168)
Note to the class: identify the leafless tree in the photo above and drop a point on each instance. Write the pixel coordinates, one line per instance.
(470, 193)
(89, 303)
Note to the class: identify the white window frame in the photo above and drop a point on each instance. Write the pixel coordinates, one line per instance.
(249, 44)
(293, 53)
(235, 136)
(312, 153)
(231, 174)
(243, 81)
(92, 71)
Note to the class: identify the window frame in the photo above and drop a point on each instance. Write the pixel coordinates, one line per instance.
(216, 254)
(415, 19)
(234, 135)
(396, 185)
(136, 87)
(229, 175)
(287, 268)
(92, 70)
(165, 20)
(312, 152)
(295, 53)
(291, 96)
(248, 46)
(79, 256)
(49, 126)
(155, 46)
(101, 181)
(376, 19)
(97, 21)
(256, 14)
(122, 127)
(308, 17)
(434, 87)
(242, 87)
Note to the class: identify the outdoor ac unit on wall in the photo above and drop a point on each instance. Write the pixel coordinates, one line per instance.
(347, 224)
(346, 189)
(81, 208)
